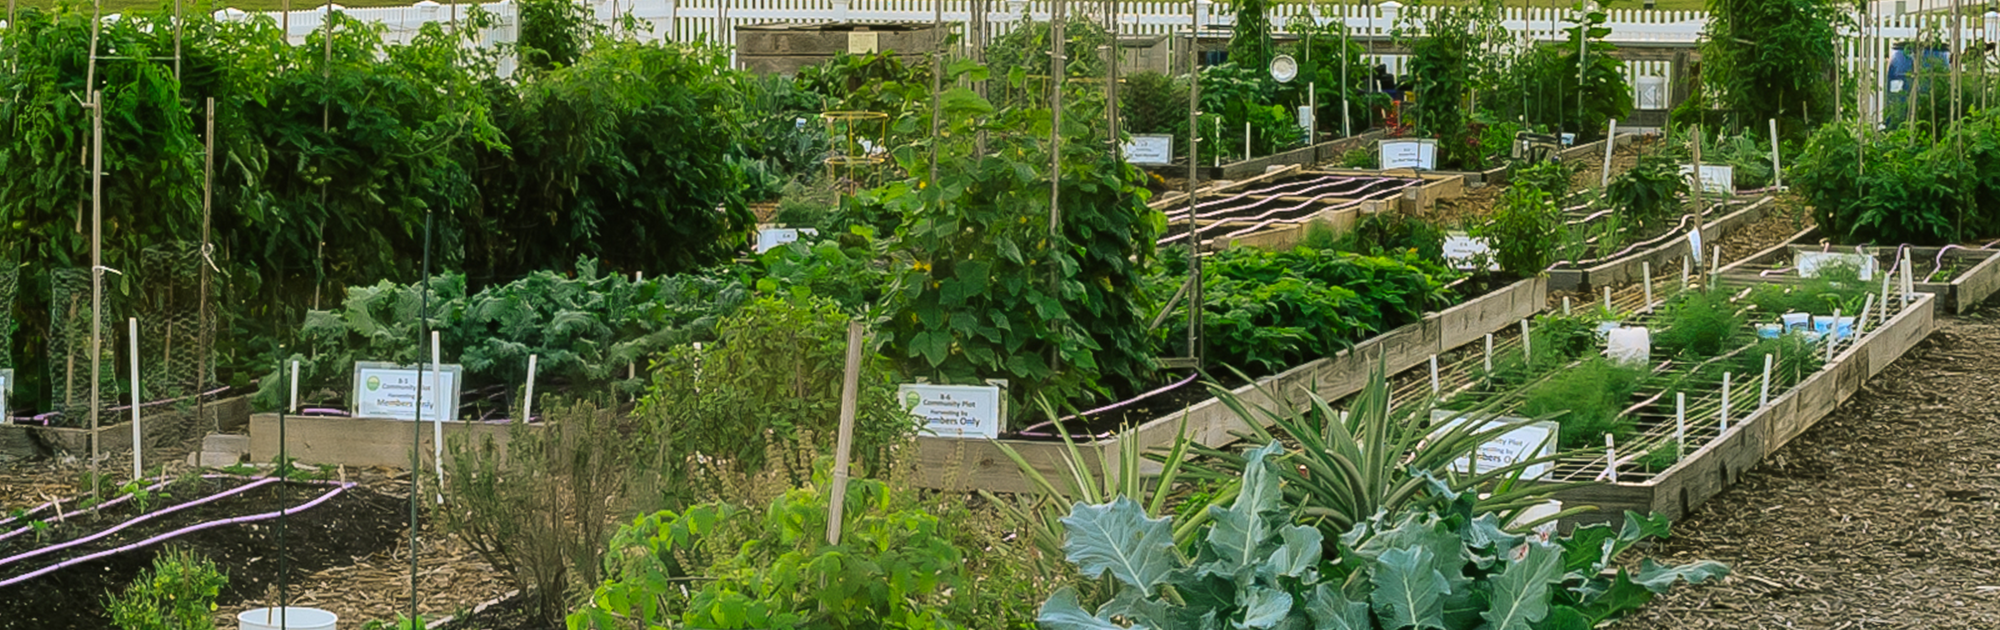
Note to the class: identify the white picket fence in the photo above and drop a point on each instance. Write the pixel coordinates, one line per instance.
(1866, 50)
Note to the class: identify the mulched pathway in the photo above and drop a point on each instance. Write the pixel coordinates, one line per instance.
(1885, 515)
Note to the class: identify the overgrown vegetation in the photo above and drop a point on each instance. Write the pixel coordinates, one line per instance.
(177, 593)
(1526, 231)
(1770, 59)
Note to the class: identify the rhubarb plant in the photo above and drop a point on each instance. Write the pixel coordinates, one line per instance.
(1440, 568)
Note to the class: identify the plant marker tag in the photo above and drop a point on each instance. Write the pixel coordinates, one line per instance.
(295, 388)
(1685, 263)
(1489, 353)
(1565, 306)
(528, 397)
(1646, 269)
(132, 334)
(1724, 426)
(1607, 300)
(1610, 459)
(1764, 391)
(1525, 347)
(1861, 327)
(1694, 244)
(1435, 388)
(1716, 252)
(1909, 289)
(1681, 423)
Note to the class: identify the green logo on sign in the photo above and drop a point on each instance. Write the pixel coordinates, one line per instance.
(911, 399)
(374, 383)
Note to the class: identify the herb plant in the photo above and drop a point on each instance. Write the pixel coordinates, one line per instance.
(1648, 193)
(177, 593)
(1700, 324)
(1587, 400)
(1527, 231)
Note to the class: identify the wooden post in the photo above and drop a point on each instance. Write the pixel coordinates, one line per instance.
(205, 348)
(1861, 325)
(850, 387)
(1646, 269)
(96, 266)
(138, 446)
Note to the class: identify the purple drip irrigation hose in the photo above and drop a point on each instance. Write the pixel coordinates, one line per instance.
(1938, 265)
(93, 509)
(1031, 430)
(47, 418)
(150, 516)
(338, 488)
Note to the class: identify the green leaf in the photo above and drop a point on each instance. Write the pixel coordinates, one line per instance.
(1409, 589)
(1564, 618)
(1658, 577)
(1118, 538)
(1332, 610)
(1062, 612)
(1521, 591)
(1241, 530)
(1299, 553)
(1264, 607)
(963, 103)
(933, 345)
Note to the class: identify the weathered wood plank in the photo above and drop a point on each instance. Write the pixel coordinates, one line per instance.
(1662, 256)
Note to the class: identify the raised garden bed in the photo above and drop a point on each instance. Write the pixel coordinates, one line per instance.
(1961, 277)
(340, 440)
(1275, 210)
(959, 464)
(1330, 150)
(1722, 459)
(1657, 250)
(166, 427)
(57, 580)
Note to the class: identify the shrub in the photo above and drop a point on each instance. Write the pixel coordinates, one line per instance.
(1151, 102)
(1270, 310)
(1527, 231)
(720, 566)
(539, 512)
(769, 387)
(1552, 177)
(177, 593)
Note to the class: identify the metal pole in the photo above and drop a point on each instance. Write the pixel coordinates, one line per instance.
(1195, 300)
(138, 446)
(417, 428)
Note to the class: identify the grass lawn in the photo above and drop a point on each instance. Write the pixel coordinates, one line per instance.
(116, 6)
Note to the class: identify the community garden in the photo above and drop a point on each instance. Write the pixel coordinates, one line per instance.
(595, 329)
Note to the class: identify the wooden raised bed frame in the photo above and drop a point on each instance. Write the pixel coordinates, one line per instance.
(960, 464)
(1630, 268)
(1436, 186)
(164, 430)
(1719, 463)
(1971, 288)
(1302, 156)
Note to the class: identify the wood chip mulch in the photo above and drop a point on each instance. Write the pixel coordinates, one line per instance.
(1884, 515)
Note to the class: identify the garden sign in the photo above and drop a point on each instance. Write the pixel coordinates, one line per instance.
(1419, 154)
(1151, 149)
(1522, 444)
(386, 390)
(969, 411)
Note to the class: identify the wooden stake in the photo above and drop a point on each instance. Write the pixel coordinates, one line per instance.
(1646, 269)
(850, 387)
(1489, 353)
(1861, 325)
(294, 406)
(1610, 458)
(1777, 166)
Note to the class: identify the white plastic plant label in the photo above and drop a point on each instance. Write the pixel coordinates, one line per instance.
(770, 238)
(957, 411)
(1519, 445)
(1714, 178)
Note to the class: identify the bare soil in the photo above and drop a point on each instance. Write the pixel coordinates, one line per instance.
(1885, 515)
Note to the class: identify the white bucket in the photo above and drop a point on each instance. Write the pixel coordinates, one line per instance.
(294, 618)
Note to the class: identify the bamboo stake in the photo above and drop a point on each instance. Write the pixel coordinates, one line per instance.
(96, 270)
(850, 387)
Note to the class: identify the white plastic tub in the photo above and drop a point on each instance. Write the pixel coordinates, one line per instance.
(293, 618)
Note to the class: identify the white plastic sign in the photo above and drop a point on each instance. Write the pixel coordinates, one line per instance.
(1694, 247)
(1810, 262)
(1306, 118)
(1629, 345)
(771, 238)
(385, 390)
(1153, 149)
(1463, 251)
(1522, 444)
(962, 411)
(1714, 178)
(1651, 93)
(1414, 153)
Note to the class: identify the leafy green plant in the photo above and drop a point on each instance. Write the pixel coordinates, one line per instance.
(1772, 59)
(1151, 102)
(770, 384)
(177, 593)
(1360, 158)
(1372, 458)
(1835, 287)
(1552, 177)
(1700, 324)
(1020, 57)
(1233, 95)
(1587, 400)
(773, 569)
(41, 528)
(1575, 85)
(1648, 193)
(1429, 568)
(1250, 35)
(1447, 57)
(142, 497)
(1268, 310)
(1527, 231)
(1392, 233)
(401, 623)
(552, 33)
